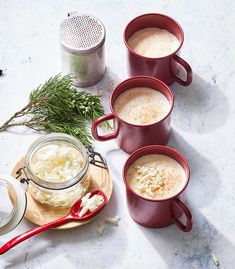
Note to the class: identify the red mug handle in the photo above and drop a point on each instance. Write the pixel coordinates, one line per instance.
(95, 124)
(187, 68)
(189, 223)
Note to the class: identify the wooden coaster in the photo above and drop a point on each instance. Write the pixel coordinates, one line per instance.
(40, 214)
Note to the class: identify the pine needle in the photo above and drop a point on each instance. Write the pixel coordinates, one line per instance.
(56, 106)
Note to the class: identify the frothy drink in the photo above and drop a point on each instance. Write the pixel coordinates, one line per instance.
(156, 176)
(153, 42)
(141, 106)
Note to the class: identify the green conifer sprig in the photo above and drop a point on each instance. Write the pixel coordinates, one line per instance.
(56, 106)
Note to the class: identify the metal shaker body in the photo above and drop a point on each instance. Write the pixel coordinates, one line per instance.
(82, 39)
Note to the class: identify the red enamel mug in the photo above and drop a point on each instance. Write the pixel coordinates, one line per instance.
(158, 213)
(130, 136)
(164, 68)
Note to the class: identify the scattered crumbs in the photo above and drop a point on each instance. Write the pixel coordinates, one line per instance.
(26, 256)
(109, 220)
(214, 78)
(115, 220)
(27, 60)
(215, 259)
(101, 229)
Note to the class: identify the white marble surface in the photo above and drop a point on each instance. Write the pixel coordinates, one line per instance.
(203, 130)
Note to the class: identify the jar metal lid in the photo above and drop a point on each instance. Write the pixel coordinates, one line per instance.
(81, 34)
(13, 195)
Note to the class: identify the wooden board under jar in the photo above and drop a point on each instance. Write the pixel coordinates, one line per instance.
(40, 214)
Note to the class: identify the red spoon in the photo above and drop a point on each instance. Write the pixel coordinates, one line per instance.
(72, 215)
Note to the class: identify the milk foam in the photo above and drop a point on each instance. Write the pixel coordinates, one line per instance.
(142, 106)
(153, 42)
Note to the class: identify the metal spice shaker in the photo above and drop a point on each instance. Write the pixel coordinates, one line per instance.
(82, 39)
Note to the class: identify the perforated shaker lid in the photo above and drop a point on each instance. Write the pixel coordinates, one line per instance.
(82, 34)
(12, 203)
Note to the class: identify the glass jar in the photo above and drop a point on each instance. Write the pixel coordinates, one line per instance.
(57, 193)
(53, 194)
(8, 198)
(12, 196)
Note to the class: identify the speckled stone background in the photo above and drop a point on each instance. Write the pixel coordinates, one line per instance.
(203, 129)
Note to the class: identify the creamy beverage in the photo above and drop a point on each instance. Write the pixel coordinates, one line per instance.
(156, 176)
(153, 42)
(141, 106)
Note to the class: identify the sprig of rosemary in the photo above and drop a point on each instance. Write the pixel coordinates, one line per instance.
(56, 106)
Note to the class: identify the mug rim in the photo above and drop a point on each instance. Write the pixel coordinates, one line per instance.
(155, 147)
(147, 78)
(153, 58)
